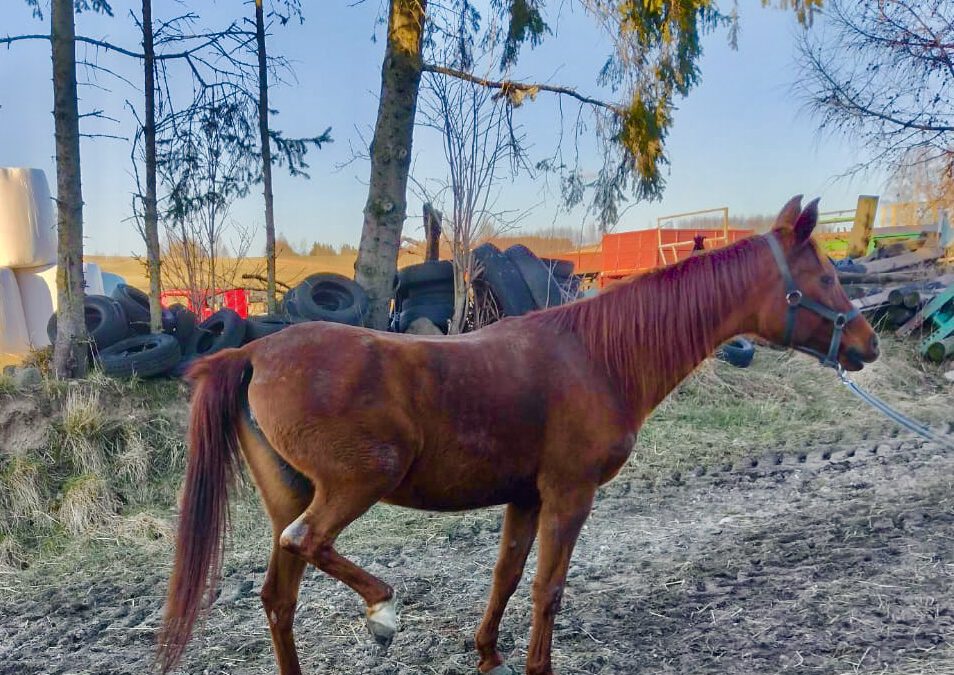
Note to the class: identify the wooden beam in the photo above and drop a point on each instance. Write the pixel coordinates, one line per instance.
(432, 230)
(860, 237)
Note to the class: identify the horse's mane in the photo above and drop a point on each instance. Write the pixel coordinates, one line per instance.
(649, 332)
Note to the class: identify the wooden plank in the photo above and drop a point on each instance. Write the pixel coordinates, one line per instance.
(432, 230)
(899, 262)
(873, 301)
(894, 277)
(860, 237)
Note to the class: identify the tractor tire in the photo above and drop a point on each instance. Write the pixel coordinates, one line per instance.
(140, 355)
(504, 280)
(136, 305)
(106, 322)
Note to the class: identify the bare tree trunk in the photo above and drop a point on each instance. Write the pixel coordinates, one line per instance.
(266, 158)
(386, 208)
(151, 212)
(69, 354)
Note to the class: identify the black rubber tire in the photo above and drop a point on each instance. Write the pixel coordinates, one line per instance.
(288, 308)
(431, 294)
(432, 272)
(140, 355)
(503, 278)
(106, 322)
(220, 331)
(438, 313)
(259, 326)
(738, 352)
(330, 297)
(136, 305)
(543, 285)
(183, 325)
(561, 269)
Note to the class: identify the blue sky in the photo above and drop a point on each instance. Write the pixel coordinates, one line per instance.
(742, 138)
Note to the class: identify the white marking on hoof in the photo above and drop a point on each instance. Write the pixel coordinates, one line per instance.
(383, 621)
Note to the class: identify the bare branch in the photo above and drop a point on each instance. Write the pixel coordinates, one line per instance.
(515, 92)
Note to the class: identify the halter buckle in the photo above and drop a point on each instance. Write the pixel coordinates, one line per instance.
(793, 298)
(840, 320)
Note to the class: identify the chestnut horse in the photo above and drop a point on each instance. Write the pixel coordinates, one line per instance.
(535, 412)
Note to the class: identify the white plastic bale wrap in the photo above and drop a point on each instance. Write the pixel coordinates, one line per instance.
(110, 282)
(27, 219)
(14, 339)
(94, 279)
(38, 296)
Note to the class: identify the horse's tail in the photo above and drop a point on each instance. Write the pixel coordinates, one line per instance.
(213, 446)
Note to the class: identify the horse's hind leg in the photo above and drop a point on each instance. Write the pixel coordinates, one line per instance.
(284, 494)
(519, 529)
(312, 536)
(279, 598)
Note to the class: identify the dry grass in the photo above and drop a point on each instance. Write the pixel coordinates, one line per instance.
(114, 448)
(85, 428)
(144, 526)
(12, 557)
(132, 463)
(783, 402)
(21, 497)
(86, 505)
(7, 385)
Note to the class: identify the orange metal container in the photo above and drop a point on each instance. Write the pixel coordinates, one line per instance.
(624, 254)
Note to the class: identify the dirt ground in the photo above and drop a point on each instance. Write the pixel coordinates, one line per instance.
(839, 561)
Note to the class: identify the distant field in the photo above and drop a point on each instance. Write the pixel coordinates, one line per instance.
(290, 269)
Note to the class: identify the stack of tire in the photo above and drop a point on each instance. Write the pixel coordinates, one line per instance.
(519, 281)
(324, 297)
(118, 330)
(424, 291)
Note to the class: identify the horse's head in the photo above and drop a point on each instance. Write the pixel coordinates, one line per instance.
(805, 306)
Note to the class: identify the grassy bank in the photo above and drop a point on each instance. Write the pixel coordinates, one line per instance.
(91, 481)
(99, 458)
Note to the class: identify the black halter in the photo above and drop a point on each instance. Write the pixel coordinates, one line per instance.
(796, 299)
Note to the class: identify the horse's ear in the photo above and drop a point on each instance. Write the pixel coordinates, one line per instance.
(789, 213)
(807, 220)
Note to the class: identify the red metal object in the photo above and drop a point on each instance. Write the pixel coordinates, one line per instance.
(203, 307)
(624, 254)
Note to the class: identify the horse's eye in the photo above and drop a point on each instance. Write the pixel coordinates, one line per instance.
(827, 280)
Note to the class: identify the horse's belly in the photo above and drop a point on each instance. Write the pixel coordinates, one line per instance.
(463, 487)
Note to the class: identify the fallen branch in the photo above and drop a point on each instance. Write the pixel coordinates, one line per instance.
(259, 277)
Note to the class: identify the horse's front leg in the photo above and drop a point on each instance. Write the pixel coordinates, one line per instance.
(516, 539)
(562, 515)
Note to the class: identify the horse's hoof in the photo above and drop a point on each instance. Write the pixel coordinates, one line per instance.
(502, 669)
(382, 622)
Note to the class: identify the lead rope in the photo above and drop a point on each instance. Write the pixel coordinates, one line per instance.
(922, 430)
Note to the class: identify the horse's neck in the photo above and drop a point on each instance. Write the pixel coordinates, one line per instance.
(651, 332)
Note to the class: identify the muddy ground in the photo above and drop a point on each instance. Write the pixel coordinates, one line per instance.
(841, 562)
